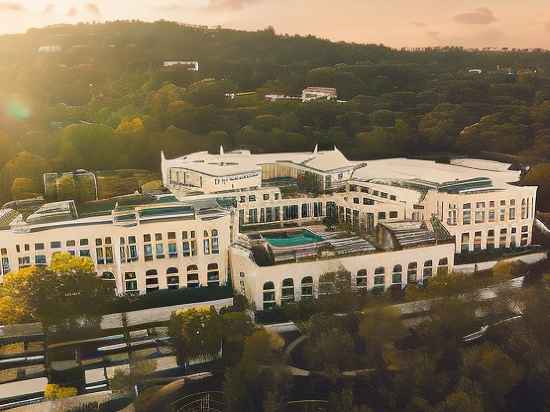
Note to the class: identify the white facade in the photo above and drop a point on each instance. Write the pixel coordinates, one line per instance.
(318, 93)
(193, 240)
(370, 271)
(155, 250)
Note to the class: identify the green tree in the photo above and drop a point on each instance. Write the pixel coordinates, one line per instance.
(197, 333)
(441, 126)
(124, 382)
(22, 188)
(260, 380)
(461, 401)
(60, 294)
(236, 327)
(26, 165)
(483, 364)
(539, 175)
(379, 328)
(66, 188)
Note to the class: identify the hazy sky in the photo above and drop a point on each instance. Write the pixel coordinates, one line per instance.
(469, 23)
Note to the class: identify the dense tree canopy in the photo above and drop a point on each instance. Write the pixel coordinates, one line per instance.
(59, 294)
(105, 101)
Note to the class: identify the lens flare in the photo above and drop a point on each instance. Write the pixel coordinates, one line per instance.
(17, 110)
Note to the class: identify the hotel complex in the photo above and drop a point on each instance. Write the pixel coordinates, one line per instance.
(275, 224)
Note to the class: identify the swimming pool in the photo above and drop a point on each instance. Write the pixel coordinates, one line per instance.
(293, 238)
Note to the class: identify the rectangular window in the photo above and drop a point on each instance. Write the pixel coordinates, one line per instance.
(108, 255)
(70, 243)
(381, 215)
(466, 217)
(172, 250)
(133, 253)
(206, 246)
(502, 238)
(148, 252)
(215, 246)
(146, 238)
(480, 216)
(99, 256)
(491, 215)
(39, 246)
(186, 249)
(393, 215)
(171, 235)
(477, 241)
(465, 242)
(55, 245)
(159, 249)
(512, 214)
(266, 196)
(40, 259)
(98, 242)
(252, 198)
(158, 236)
(84, 253)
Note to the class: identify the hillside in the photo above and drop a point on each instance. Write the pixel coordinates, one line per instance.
(96, 96)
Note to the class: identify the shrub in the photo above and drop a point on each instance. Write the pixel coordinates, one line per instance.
(53, 392)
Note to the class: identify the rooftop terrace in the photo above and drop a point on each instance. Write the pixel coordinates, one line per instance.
(315, 243)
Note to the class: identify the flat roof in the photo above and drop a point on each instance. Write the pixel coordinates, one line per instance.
(408, 169)
(243, 161)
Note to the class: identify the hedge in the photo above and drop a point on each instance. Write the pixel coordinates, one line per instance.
(171, 297)
(488, 255)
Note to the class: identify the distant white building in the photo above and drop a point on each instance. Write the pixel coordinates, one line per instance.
(53, 48)
(318, 93)
(192, 66)
(277, 97)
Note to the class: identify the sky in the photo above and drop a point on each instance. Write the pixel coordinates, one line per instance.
(395, 23)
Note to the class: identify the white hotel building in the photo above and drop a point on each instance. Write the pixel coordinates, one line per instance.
(256, 219)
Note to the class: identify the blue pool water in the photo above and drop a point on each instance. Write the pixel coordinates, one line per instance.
(295, 238)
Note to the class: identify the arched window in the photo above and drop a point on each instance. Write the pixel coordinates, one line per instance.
(206, 242)
(215, 242)
(130, 283)
(397, 273)
(412, 272)
(213, 275)
(172, 280)
(151, 281)
(287, 291)
(443, 266)
(193, 276)
(379, 278)
(361, 278)
(307, 287)
(108, 276)
(269, 296)
(428, 269)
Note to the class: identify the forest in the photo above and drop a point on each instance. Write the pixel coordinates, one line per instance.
(101, 100)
